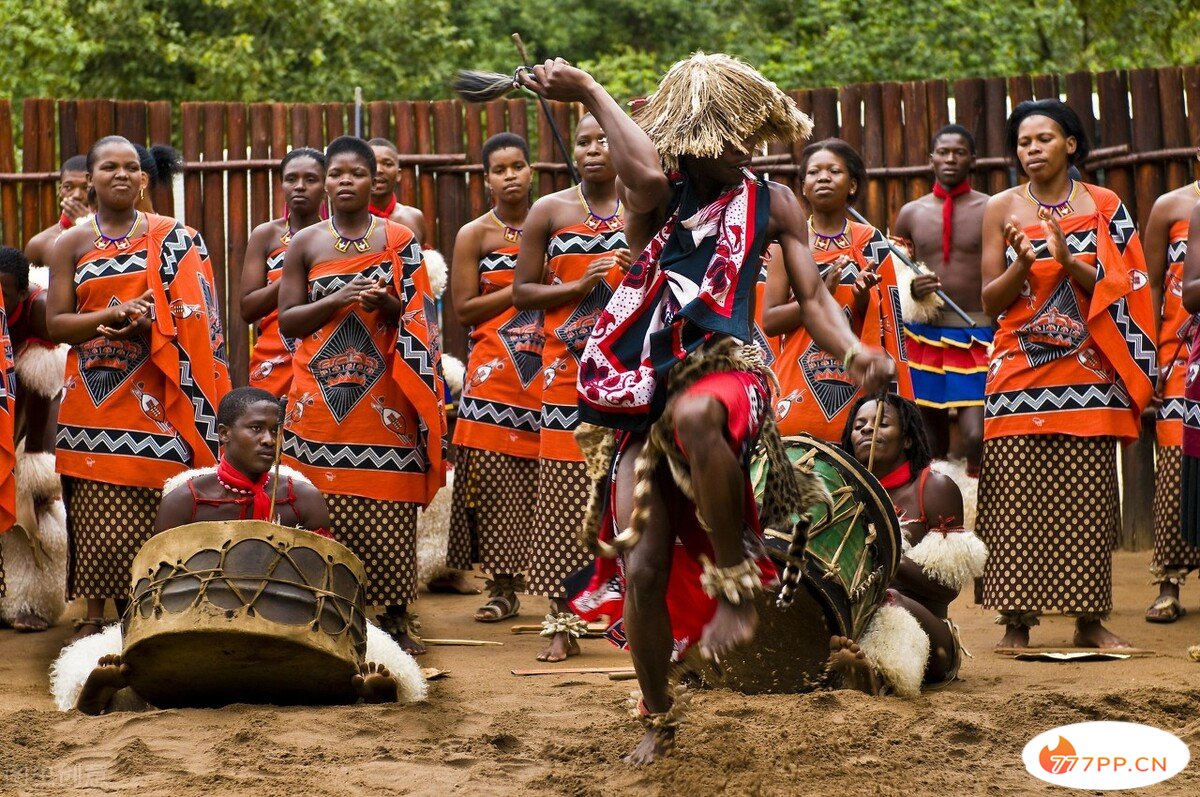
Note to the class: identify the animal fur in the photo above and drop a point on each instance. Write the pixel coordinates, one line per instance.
(76, 661)
(912, 309)
(180, 479)
(433, 534)
(956, 469)
(34, 552)
(435, 267)
(599, 446)
(897, 648)
(40, 370)
(706, 102)
(954, 559)
(455, 373)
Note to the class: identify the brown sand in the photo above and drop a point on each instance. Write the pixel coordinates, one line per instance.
(485, 731)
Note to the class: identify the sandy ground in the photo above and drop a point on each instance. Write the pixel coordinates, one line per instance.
(484, 731)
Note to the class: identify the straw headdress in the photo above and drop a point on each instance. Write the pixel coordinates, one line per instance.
(708, 101)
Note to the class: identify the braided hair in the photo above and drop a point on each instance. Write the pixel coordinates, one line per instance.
(919, 453)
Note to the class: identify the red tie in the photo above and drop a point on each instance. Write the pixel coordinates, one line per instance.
(384, 213)
(947, 198)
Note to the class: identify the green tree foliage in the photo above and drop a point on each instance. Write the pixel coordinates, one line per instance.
(320, 49)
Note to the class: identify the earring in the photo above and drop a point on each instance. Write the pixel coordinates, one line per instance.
(142, 193)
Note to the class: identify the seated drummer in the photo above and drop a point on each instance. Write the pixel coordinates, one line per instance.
(940, 558)
(239, 488)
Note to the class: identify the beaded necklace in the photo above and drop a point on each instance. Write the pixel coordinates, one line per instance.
(362, 243)
(121, 242)
(595, 221)
(1049, 210)
(511, 234)
(823, 243)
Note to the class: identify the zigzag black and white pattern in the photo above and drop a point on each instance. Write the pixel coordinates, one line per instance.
(1079, 243)
(498, 413)
(1191, 414)
(416, 355)
(560, 417)
(1175, 409)
(174, 247)
(1121, 228)
(411, 260)
(275, 261)
(1137, 340)
(877, 249)
(121, 264)
(1067, 397)
(201, 247)
(392, 459)
(573, 243)
(202, 409)
(497, 262)
(121, 442)
(1176, 252)
(321, 287)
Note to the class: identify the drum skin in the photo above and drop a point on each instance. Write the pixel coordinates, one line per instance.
(852, 554)
(244, 612)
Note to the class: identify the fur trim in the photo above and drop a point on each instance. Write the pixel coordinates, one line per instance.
(180, 479)
(76, 662)
(955, 558)
(455, 373)
(39, 276)
(897, 648)
(705, 102)
(382, 649)
(912, 309)
(433, 533)
(956, 469)
(599, 445)
(435, 267)
(40, 370)
(34, 551)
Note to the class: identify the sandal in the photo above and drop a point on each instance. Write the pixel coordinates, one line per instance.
(1165, 610)
(96, 624)
(503, 602)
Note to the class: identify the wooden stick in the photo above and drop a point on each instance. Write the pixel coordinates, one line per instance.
(879, 402)
(461, 642)
(593, 628)
(574, 671)
(278, 457)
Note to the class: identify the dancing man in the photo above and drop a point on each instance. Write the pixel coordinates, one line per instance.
(949, 359)
(681, 320)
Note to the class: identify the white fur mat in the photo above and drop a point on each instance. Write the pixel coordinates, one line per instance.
(897, 648)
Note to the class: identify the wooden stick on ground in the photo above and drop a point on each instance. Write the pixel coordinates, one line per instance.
(574, 671)
(461, 642)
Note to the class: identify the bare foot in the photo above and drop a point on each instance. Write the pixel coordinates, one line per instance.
(456, 582)
(562, 646)
(1015, 636)
(654, 745)
(847, 660)
(1092, 634)
(409, 644)
(730, 626)
(29, 622)
(85, 628)
(108, 677)
(375, 684)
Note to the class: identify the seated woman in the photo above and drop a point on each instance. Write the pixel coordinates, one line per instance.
(910, 641)
(238, 488)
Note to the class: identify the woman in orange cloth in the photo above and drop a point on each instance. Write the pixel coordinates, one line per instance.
(303, 172)
(365, 417)
(142, 382)
(1166, 249)
(815, 391)
(499, 414)
(1072, 369)
(573, 255)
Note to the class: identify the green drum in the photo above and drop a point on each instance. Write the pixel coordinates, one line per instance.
(852, 553)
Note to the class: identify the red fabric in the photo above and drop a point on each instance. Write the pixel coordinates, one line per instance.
(897, 478)
(234, 478)
(745, 397)
(65, 222)
(386, 213)
(947, 198)
(1191, 428)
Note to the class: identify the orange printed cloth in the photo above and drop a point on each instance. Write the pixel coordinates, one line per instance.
(1068, 363)
(136, 412)
(772, 345)
(1174, 338)
(501, 405)
(816, 392)
(365, 414)
(568, 328)
(271, 360)
(8, 429)
(212, 307)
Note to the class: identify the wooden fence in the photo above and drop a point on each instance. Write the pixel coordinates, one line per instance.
(1145, 124)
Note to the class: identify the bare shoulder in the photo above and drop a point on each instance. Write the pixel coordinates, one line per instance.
(268, 228)
(304, 489)
(783, 199)
(74, 240)
(1003, 201)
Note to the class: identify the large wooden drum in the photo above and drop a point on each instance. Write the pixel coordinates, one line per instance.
(852, 554)
(244, 612)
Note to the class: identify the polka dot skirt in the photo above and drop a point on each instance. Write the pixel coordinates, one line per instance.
(1049, 514)
(108, 525)
(556, 552)
(1170, 550)
(383, 534)
(492, 517)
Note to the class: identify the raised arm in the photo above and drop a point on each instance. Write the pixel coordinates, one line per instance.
(1001, 282)
(634, 156)
(823, 317)
(259, 297)
(470, 305)
(781, 313)
(1191, 266)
